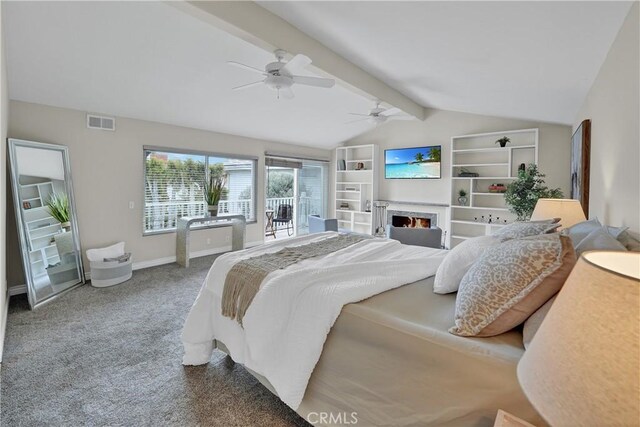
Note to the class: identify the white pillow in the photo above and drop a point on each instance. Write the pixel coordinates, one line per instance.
(458, 261)
(581, 230)
(112, 251)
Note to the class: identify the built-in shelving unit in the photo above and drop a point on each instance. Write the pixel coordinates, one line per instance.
(355, 184)
(494, 165)
(41, 227)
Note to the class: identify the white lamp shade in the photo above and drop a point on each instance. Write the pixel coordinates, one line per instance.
(583, 365)
(568, 210)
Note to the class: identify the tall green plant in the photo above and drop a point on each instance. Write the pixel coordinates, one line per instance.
(214, 188)
(523, 194)
(58, 207)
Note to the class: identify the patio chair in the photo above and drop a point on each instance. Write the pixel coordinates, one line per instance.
(284, 215)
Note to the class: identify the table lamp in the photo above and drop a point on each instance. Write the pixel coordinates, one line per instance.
(568, 210)
(582, 368)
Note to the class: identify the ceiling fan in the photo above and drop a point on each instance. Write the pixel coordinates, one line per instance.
(280, 76)
(379, 115)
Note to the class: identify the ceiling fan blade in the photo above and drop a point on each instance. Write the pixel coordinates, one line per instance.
(358, 114)
(401, 117)
(286, 93)
(391, 111)
(356, 121)
(246, 67)
(298, 62)
(314, 81)
(248, 85)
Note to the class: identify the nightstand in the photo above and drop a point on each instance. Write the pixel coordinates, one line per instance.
(505, 419)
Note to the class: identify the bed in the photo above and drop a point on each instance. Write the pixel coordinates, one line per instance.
(388, 358)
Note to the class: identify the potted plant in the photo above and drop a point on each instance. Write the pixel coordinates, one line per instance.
(503, 141)
(58, 207)
(213, 190)
(523, 194)
(462, 197)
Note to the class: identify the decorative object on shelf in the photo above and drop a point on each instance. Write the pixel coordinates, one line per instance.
(367, 206)
(342, 165)
(522, 167)
(213, 191)
(568, 210)
(497, 188)
(523, 194)
(503, 141)
(344, 206)
(580, 158)
(26, 205)
(462, 197)
(581, 368)
(58, 207)
(465, 173)
(359, 166)
(350, 189)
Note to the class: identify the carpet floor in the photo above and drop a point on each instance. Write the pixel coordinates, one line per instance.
(112, 356)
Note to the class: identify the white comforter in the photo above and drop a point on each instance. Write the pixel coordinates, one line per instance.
(289, 319)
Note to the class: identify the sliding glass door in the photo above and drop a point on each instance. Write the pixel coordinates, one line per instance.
(295, 189)
(311, 193)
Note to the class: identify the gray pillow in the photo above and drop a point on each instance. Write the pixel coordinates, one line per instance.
(581, 230)
(599, 239)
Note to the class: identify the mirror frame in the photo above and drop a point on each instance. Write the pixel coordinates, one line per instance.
(26, 262)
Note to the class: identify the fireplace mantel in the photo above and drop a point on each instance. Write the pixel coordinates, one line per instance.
(401, 202)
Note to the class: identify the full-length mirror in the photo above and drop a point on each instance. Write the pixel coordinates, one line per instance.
(46, 218)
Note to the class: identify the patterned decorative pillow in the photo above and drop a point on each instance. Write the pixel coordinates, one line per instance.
(510, 282)
(458, 261)
(520, 229)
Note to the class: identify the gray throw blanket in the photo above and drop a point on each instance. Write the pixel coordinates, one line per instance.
(244, 279)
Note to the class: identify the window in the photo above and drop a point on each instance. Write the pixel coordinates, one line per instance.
(174, 186)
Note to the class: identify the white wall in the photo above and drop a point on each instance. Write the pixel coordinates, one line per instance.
(107, 170)
(438, 128)
(613, 105)
(4, 111)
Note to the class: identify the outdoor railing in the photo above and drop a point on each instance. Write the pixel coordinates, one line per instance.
(160, 216)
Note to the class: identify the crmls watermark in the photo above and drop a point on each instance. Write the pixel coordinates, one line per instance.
(333, 418)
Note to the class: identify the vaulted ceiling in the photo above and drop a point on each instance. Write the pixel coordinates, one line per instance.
(152, 61)
(531, 60)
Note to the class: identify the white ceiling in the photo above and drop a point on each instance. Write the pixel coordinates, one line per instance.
(531, 60)
(150, 61)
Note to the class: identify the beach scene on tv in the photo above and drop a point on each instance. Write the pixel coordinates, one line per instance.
(413, 163)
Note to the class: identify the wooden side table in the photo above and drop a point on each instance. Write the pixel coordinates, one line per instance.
(505, 419)
(269, 231)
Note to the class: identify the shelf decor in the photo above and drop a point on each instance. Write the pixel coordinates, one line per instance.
(356, 185)
(483, 170)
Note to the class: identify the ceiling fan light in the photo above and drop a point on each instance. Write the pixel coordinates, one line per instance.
(375, 119)
(278, 82)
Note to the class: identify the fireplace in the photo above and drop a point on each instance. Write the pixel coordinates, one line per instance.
(412, 219)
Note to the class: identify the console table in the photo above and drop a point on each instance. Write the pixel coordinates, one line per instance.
(237, 223)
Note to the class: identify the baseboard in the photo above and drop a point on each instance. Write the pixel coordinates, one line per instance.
(16, 290)
(3, 324)
(170, 259)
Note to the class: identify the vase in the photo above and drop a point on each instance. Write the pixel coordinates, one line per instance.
(213, 210)
(503, 144)
(66, 226)
(462, 200)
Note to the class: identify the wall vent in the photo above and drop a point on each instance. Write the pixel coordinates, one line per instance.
(101, 122)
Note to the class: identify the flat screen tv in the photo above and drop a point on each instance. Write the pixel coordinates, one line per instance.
(413, 163)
